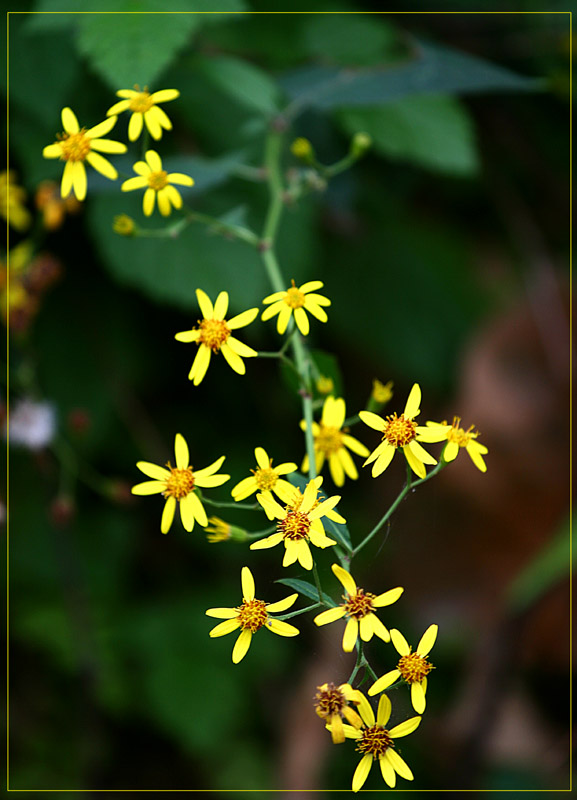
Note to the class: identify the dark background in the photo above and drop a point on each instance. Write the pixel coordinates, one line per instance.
(445, 252)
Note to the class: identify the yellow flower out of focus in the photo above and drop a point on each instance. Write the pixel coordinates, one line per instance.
(251, 616)
(145, 110)
(158, 184)
(213, 335)
(296, 301)
(382, 392)
(376, 742)
(332, 705)
(124, 225)
(457, 438)
(178, 485)
(53, 206)
(359, 608)
(325, 385)
(77, 145)
(302, 148)
(12, 199)
(412, 667)
(299, 523)
(266, 479)
(331, 443)
(399, 433)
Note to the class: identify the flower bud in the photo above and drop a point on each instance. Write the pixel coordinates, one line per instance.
(124, 225)
(360, 143)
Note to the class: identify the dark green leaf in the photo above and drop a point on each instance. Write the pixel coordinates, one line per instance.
(305, 588)
(349, 39)
(433, 131)
(242, 81)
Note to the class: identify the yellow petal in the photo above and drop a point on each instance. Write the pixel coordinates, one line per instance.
(149, 487)
(332, 614)
(102, 128)
(164, 95)
(102, 165)
(222, 613)
(427, 640)
(167, 514)
(244, 319)
(221, 306)
(205, 304)
(388, 598)
(282, 605)
(414, 463)
(228, 626)
(187, 512)
(233, 360)
(302, 321)
(153, 160)
(387, 770)
(281, 628)
(413, 402)
(372, 420)
(384, 682)
(241, 646)
(163, 202)
(405, 728)
(69, 121)
(148, 202)
(79, 180)
(200, 364)
(383, 710)
(345, 578)
(153, 470)
(362, 772)
(247, 583)
(400, 643)
(418, 697)
(350, 635)
(181, 451)
(398, 764)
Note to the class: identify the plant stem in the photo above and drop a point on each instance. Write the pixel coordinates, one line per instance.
(318, 583)
(300, 611)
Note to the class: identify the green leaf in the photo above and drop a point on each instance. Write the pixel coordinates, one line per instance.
(338, 529)
(434, 70)
(305, 588)
(244, 82)
(328, 366)
(349, 39)
(432, 131)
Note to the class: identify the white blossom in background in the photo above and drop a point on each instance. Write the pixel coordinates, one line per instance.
(31, 424)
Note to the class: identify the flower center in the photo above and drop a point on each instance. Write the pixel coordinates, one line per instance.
(360, 604)
(459, 435)
(375, 740)
(158, 180)
(295, 525)
(399, 431)
(265, 478)
(180, 483)
(328, 440)
(294, 298)
(141, 103)
(213, 333)
(414, 667)
(252, 615)
(329, 700)
(74, 146)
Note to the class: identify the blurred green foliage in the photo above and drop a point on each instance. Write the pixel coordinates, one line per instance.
(109, 613)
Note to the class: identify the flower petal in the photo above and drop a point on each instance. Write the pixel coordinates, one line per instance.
(222, 613)
(281, 628)
(421, 453)
(362, 772)
(103, 128)
(241, 646)
(330, 615)
(228, 626)
(148, 202)
(350, 635)
(413, 402)
(372, 420)
(242, 320)
(205, 304)
(268, 541)
(52, 151)
(415, 463)
(79, 179)
(187, 512)
(400, 643)
(133, 183)
(240, 348)
(233, 360)
(153, 160)
(384, 681)
(427, 640)
(388, 598)
(387, 771)
(383, 460)
(102, 165)
(302, 321)
(405, 728)
(163, 202)
(211, 469)
(167, 514)
(200, 364)
(198, 510)
(149, 487)
(118, 108)
(418, 697)
(164, 95)
(69, 121)
(384, 710)
(345, 578)
(282, 605)
(221, 306)
(247, 583)
(181, 451)
(153, 470)
(399, 765)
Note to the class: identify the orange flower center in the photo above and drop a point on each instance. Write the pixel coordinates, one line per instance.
(360, 604)
(459, 435)
(252, 615)
(213, 333)
(328, 440)
(265, 478)
(329, 700)
(375, 740)
(399, 431)
(74, 146)
(141, 103)
(414, 667)
(295, 525)
(158, 180)
(179, 483)
(294, 297)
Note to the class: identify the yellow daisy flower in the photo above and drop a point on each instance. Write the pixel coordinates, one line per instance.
(158, 184)
(12, 201)
(266, 479)
(299, 523)
(331, 443)
(252, 615)
(144, 107)
(77, 145)
(456, 438)
(332, 705)
(178, 485)
(375, 741)
(296, 301)
(399, 433)
(412, 667)
(358, 608)
(213, 335)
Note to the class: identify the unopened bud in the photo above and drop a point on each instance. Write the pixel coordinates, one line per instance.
(360, 143)
(124, 225)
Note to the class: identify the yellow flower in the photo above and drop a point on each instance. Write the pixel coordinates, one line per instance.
(296, 301)
(412, 667)
(213, 335)
(144, 107)
(221, 531)
(77, 145)
(158, 184)
(358, 608)
(325, 385)
(178, 485)
(331, 443)
(53, 206)
(250, 617)
(302, 148)
(399, 433)
(332, 705)
(456, 438)
(123, 225)
(266, 479)
(375, 741)
(382, 392)
(299, 523)
(12, 199)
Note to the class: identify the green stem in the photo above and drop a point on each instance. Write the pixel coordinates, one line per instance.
(402, 494)
(300, 611)
(318, 583)
(358, 664)
(219, 504)
(218, 226)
